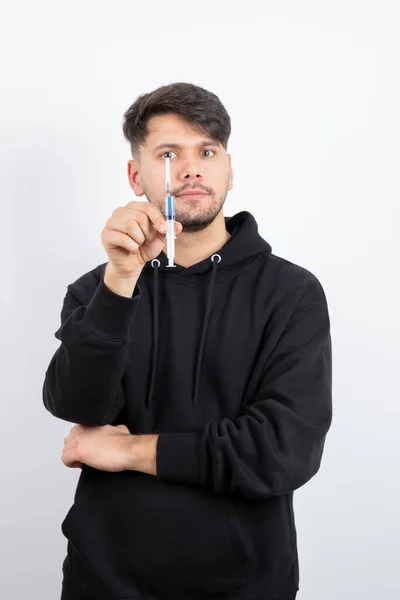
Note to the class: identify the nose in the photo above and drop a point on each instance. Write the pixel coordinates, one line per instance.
(190, 168)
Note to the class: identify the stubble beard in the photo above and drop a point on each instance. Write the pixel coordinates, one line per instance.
(194, 218)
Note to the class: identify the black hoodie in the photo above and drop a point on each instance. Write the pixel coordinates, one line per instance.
(229, 361)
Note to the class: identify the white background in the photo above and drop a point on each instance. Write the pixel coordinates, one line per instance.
(312, 89)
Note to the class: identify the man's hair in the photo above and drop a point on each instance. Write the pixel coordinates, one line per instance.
(201, 109)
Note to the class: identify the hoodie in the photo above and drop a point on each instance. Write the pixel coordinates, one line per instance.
(229, 361)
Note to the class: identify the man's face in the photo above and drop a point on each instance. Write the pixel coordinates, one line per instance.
(197, 163)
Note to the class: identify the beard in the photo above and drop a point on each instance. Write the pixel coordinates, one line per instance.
(194, 215)
(197, 216)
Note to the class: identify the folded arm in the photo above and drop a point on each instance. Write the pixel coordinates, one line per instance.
(83, 381)
(275, 445)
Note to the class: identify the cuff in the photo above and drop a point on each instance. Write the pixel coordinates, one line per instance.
(178, 457)
(111, 314)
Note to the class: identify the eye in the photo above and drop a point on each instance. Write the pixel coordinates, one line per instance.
(167, 152)
(208, 151)
(172, 152)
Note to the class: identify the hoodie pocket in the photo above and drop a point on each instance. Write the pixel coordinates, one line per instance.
(139, 536)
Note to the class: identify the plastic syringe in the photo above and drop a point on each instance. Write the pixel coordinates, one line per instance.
(170, 216)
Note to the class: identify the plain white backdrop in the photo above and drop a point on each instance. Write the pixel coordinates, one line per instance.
(312, 89)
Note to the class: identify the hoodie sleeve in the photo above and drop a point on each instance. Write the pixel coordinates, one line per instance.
(83, 381)
(275, 445)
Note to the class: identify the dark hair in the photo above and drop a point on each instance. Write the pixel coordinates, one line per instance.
(200, 108)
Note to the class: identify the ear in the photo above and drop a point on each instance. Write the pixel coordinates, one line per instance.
(230, 181)
(134, 177)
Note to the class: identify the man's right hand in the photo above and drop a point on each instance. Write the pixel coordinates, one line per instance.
(132, 236)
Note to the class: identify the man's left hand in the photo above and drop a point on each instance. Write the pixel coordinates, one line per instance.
(105, 447)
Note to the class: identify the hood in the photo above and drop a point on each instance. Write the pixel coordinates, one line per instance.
(245, 242)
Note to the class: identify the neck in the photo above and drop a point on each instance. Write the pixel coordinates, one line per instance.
(192, 248)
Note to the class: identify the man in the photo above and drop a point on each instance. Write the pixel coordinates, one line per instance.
(201, 393)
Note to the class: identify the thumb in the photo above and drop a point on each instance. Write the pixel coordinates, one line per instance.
(124, 427)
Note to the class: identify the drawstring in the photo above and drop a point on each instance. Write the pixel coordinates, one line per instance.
(155, 329)
(204, 329)
(155, 261)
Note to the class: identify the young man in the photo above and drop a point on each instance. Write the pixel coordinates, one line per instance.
(201, 393)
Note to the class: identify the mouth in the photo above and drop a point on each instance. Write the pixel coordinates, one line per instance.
(191, 195)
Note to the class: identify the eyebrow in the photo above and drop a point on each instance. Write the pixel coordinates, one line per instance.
(179, 146)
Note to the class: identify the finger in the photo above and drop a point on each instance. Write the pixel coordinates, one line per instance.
(69, 459)
(178, 230)
(73, 433)
(71, 446)
(123, 427)
(130, 226)
(155, 216)
(133, 212)
(75, 466)
(116, 239)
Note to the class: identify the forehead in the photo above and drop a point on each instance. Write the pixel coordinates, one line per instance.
(171, 128)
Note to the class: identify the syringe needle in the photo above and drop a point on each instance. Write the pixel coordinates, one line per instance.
(170, 217)
(168, 175)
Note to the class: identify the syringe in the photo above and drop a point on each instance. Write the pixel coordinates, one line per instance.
(170, 217)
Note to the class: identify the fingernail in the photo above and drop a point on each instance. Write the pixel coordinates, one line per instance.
(163, 228)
